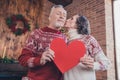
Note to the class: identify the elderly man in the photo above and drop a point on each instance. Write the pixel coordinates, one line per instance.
(36, 54)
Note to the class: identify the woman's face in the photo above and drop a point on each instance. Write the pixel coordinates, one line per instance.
(71, 22)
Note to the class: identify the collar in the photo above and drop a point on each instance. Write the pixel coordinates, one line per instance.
(73, 34)
(47, 29)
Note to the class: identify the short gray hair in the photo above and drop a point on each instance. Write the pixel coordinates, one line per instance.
(56, 6)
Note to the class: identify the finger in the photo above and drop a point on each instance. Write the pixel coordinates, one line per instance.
(85, 55)
(90, 66)
(82, 59)
(85, 63)
(89, 57)
(50, 56)
(47, 59)
(47, 56)
(88, 62)
(47, 48)
(51, 52)
(42, 61)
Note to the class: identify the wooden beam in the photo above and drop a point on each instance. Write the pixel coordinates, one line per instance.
(61, 2)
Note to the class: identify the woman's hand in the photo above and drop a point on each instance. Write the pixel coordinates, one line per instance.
(88, 61)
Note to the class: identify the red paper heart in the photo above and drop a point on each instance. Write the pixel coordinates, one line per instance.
(67, 56)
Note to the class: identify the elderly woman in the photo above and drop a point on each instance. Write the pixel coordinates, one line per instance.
(94, 59)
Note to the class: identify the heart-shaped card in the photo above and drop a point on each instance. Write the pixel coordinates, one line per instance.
(67, 55)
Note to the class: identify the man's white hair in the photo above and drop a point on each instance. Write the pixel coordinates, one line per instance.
(56, 6)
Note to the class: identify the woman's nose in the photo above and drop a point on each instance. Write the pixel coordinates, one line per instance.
(67, 20)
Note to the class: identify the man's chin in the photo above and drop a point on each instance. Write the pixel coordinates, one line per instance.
(59, 25)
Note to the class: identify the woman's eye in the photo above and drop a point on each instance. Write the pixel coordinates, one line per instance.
(71, 18)
(64, 15)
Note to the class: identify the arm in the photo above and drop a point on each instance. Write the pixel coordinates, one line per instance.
(97, 60)
(101, 62)
(31, 56)
(28, 59)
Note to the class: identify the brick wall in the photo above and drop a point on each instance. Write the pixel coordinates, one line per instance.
(94, 10)
(99, 13)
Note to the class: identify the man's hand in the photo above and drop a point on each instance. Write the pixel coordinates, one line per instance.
(47, 56)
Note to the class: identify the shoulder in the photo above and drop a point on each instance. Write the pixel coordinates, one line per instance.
(91, 38)
(36, 31)
(34, 34)
(88, 37)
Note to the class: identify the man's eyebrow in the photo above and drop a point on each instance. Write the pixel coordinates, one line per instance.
(61, 12)
(58, 11)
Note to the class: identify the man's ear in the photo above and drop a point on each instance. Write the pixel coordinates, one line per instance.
(49, 18)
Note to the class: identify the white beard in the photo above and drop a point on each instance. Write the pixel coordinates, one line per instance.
(58, 25)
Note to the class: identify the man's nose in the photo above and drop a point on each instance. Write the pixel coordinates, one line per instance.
(62, 16)
(67, 20)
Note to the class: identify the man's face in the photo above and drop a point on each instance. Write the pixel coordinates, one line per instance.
(71, 22)
(57, 18)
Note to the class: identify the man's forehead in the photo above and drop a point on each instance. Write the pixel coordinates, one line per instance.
(60, 10)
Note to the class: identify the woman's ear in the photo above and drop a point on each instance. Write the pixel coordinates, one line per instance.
(76, 26)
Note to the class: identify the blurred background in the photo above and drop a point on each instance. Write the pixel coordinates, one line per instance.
(104, 17)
